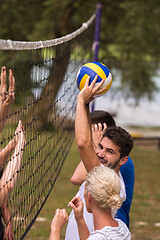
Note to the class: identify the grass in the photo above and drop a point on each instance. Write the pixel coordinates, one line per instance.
(61, 194)
(154, 128)
(145, 209)
(146, 205)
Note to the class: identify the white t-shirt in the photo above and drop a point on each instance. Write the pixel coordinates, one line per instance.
(72, 229)
(112, 233)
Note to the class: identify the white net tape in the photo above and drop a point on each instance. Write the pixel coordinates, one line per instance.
(21, 45)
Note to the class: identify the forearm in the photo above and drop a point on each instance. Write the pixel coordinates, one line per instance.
(84, 136)
(3, 115)
(82, 123)
(6, 213)
(79, 174)
(4, 154)
(82, 229)
(54, 235)
(8, 233)
(9, 177)
(60, 218)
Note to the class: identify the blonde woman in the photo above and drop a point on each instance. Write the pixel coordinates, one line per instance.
(102, 194)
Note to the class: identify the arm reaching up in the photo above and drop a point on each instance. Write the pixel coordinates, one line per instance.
(4, 153)
(6, 98)
(9, 177)
(97, 133)
(83, 124)
(80, 173)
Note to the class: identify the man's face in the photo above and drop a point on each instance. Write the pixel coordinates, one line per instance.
(108, 153)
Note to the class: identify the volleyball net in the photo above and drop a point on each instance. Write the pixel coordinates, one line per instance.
(45, 102)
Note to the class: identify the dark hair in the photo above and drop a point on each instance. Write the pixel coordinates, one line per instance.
(100, 116)
(121, 138)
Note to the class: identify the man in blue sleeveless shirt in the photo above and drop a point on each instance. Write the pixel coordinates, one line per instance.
(127, 171)
(99, 118)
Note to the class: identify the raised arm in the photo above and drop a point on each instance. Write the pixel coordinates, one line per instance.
(6, 98)
(80, 172)
(5, 153)
(97, 133)
(9, 177)
(83, 124)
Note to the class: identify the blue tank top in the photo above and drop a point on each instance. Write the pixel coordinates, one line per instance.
(127, 171)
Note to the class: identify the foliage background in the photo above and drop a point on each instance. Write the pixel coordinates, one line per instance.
(130, 38)
(130, 33)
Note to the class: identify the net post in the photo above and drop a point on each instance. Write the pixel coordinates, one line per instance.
(96, 40)
(158, 143)
(97, 31)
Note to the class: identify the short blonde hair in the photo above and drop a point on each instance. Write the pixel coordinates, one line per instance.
(104, 186)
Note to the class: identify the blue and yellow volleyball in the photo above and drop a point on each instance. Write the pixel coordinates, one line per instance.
(92, 69)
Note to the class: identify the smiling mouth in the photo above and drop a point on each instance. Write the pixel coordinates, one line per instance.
(102, 161)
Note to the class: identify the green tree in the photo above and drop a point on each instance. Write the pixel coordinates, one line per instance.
(130, 33)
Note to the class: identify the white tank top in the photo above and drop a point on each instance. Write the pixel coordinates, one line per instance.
(112, 233)
(72, 229)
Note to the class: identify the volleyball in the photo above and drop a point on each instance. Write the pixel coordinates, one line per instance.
(92, 69)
